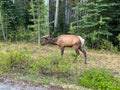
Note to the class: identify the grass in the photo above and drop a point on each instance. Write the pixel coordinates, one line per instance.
(44, 65)
(99, 79)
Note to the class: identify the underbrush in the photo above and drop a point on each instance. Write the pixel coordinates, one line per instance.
(21, 61)
(52, 65)
(15, 61)
(99, 79)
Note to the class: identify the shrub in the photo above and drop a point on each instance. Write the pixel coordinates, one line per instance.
(3, 63)
(107, 45)
(18, 60)
(51, 65)
(60, 64)
(40, 65)
(99, 79)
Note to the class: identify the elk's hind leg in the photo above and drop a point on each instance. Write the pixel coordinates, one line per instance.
(85, 54)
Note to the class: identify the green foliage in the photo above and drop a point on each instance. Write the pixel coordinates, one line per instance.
(107, 45)
(97, 16)
(13, 17)
(72, 28)
(99, 79)
(101, 20)
(118, 37)
(41, 65)
(51, 65)
(93, 39)
(15, 60)
(3, 63)
(38, 11)
(28, 20)
(61, 65)
(20, 60)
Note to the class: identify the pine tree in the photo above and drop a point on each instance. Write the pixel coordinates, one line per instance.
(99, 16)
(38, 11)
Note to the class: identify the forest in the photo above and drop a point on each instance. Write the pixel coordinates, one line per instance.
(23, 23)
(98, 21)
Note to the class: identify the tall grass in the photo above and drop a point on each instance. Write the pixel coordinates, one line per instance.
(22, 61)
(15, 60)
(52, 65)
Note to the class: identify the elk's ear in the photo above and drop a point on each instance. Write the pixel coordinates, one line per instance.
(46, 36)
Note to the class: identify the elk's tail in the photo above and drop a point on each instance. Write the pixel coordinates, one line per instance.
(82, 41)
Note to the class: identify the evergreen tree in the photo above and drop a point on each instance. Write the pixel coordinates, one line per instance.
(37, 12)
(98, 16)
(14, 16)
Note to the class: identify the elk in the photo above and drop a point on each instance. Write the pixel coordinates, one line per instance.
(65, 40)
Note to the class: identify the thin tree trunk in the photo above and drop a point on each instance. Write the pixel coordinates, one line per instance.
(46, 16)
(33, 11)
(6, 25)
(67, 15)
(56, 15)
(2, 27)
(39, 30)
(13, 1)
(77, 19)
(38, 25)
(51, 16)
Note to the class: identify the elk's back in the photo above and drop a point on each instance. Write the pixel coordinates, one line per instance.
(68, 40)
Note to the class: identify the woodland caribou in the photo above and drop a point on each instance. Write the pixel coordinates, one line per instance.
(67, 41)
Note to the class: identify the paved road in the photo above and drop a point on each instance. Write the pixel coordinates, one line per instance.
(10, 85)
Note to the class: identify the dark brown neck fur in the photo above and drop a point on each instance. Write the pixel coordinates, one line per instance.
(53, 41)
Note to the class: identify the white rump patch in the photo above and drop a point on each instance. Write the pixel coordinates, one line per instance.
(82, 40)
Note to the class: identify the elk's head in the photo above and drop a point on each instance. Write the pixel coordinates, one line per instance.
(46, 40)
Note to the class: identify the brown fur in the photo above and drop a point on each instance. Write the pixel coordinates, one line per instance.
(66, 41)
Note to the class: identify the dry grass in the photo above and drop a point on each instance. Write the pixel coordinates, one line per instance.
(108, 60)
(96, 59)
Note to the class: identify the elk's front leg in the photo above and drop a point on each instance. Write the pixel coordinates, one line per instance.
(62, 50)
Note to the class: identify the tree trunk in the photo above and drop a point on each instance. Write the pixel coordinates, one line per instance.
(51, 16)
(56, 15)
(2, 27)
(46, 16)
(13, 1)
(67, 15)
(38, 24)
(33, 12)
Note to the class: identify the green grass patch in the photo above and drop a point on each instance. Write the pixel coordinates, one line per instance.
(99, 79)
(15, 61)
(52, 65)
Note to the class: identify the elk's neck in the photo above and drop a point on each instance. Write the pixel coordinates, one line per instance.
(54, 41)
